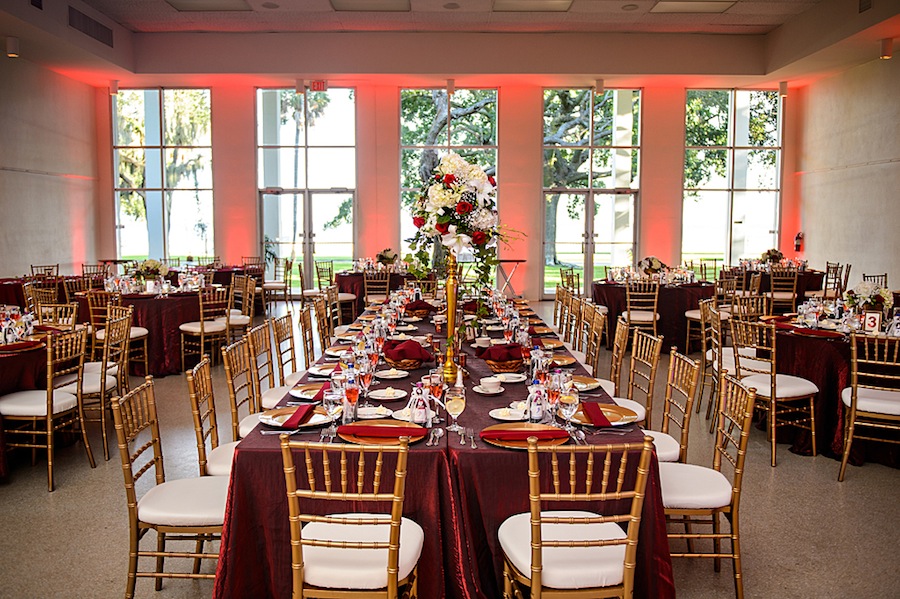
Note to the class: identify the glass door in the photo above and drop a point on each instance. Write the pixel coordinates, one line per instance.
(284, 229)
(331, 227)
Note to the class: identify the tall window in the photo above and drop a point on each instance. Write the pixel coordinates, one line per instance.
(591, 179)
(163, 161)
(731, 174)
(307, 174)
(432, 124)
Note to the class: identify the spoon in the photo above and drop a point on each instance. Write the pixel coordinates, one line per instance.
(436, 436)
(579, 437)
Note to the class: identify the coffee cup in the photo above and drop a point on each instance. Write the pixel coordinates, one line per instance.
(483, 341)
(490, 384)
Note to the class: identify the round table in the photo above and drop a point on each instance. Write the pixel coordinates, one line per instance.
(674, 301)
(20, 371)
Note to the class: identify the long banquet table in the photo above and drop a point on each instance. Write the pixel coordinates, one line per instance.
(459, 496)
(674, 301)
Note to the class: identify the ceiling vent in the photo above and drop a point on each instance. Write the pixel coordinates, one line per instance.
(88, 26)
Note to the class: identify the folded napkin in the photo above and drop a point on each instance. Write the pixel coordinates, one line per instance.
(382, 431)
(406, 350)
(300, 416)
(500, 353)
(522, 435)
(537, 341)
(320, 395)
(420, 305)
(592, 411)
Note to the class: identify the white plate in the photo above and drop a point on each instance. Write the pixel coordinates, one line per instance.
(321, 371)
(587, 386)
(389, 394)
(499, 341)
(489, 321)
(404, 414)
(306, 394)
(337, 354)
(518, 405)
(469, 317)
(828, 325)
(407, 327)
(400, 336)
(482, 391)
(496, 327)
(393, 373)
(373, 412)
(507, 414)
(315, 420)
(511, 377)
(411, 319)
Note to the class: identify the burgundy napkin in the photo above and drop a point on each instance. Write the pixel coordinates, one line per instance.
(406, 350)
(522, 435)
(382, 431)
(320, 395)
(419, 305)
(592, 410)
(537, 341)
(301, 415)
(500, 353)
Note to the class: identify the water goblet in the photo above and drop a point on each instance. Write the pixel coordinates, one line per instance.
(332, 401)
(455, 404)
(365, 376)
(568, 405)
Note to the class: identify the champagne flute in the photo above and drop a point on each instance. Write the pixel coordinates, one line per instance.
(365, 376)
(568, 405)
(455, 405)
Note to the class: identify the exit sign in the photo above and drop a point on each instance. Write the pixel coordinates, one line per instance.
(318, 85)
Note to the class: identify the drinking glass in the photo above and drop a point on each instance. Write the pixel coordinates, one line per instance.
(455, 404)
(365, 376)
(332, 401)
(568, 405)
(351, 394)
(554, 390)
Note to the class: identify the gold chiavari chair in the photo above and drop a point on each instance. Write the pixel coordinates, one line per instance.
(751, 307)
(707, 351)
(879, 279)
(430, 288)
(573, 321)
(208, 261)
(642, 298)
(214, 459)
(308, 293)
(789, 400)
(645, 352)
(262, 372)
(831, 285)
(75, 286)
(376, 286)
(681, 387)
(306, 335)
(333, 315)
(45, 270)
(98, 302)
(695, 329)
(279, 287)
(577, 553)
(285, 351)
(108, 378)
(558, 300)
(872, 401)
(845, 285)
(710, 268)
(620, 344)
(698, 496)
(60, 316)
(95, 271)
(320, 306)
(31, 418)
(384, 548)
(170, 262)
(243, 306)
(726, 288)
(565, 300)
(44, 296)
(784, 289)
(239, 380)
(595, 339)
(324, 273)
(200, 337)
(163, 508)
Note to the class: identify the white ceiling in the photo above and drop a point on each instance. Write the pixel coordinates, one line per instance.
(602, 16)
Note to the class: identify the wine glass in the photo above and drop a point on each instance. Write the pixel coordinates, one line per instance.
(455, 404)
(554, 390)
(436, 386)
(332, 401)
(508, 332)
(365, 376)
(568, 405)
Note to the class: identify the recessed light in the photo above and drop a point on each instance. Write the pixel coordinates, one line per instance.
(630, 7)
(451, 6)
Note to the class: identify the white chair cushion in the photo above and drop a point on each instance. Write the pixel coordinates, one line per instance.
(601, 308)
(641, 315)
(273, 285)
(667, 447)
(34, 403)
(874, 400)
(689, 486)
(271, 397)
(247, 424)
(134, 333)
(97, 366)
(90, 383)
(337, 568)
(210, 326)
(218, 461)
(311, 292)
(234, 312)
(780, 295)
(608, 386)
(787, 386)
(294, 378)
(346, 297)
(634, 406)
(186, 502)
(692, 314)
(566, 567)
(238, 320)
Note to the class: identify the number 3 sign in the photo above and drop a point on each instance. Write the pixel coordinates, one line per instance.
(872, 322)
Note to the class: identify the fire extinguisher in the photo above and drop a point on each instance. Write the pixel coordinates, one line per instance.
(798, 241)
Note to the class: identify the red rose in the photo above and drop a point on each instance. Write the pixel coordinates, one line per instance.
(464, 207)
(492, 181)
(418, 221)
(449, 178)
(479, 238)
(442, 228)
(437, 177)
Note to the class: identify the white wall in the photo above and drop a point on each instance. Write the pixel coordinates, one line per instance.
(849, 170)
(48, 169)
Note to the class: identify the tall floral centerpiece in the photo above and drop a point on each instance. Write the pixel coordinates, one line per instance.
(458, 209)
(869, 296)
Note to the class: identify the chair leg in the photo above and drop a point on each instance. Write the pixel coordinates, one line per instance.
(848, 441)
(773, 426)
(736, 558)
(50, 459)
(717, 542)
(133, 542)
(84, 437)
(812, 423)
(198, 549)
(160, 560)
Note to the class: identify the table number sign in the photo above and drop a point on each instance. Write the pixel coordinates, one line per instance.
(872, 321)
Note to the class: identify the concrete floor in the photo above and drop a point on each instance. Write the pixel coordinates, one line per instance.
(804, 534)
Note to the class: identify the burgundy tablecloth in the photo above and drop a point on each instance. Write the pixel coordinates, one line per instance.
(457, 494)
(826, 363)
(162, 317)
(674, 301)
(807, 280)
(354, 282)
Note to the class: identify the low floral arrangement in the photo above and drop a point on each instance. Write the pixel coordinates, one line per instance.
(772, 255)
(868, 296)
(152, 268)
(386, 256)
(458, 208)
(651, 265)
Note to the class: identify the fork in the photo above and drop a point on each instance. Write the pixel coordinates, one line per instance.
(471, 434)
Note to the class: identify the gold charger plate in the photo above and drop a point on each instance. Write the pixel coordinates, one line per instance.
(551, 343)
(542, 330)
(362, 440)
(335, 350)
(324, 370)
(526, 312)
(306, 391)
(365, 317)
(562, 360)
(279, 416)
(617, 415)
(585, 383)
(519, 426)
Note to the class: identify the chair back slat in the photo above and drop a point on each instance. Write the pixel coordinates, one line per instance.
(284, 348)
(238, 376)
(262, 368)
(203, 410)
(645, 352)
(681, 387)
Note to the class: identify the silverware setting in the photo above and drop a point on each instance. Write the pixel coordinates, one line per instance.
(471, 433)
(296, 431)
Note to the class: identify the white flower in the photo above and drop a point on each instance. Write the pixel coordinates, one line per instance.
(456, 242)
(482, 218)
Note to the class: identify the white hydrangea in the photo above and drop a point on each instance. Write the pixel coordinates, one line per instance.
(482, 218)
